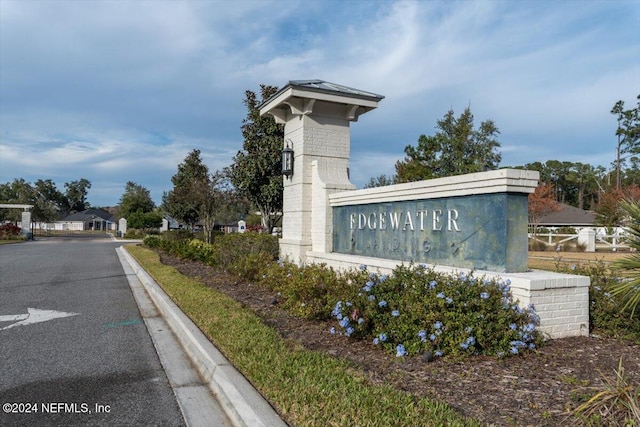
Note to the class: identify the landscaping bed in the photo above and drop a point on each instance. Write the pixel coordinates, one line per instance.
(538, 388)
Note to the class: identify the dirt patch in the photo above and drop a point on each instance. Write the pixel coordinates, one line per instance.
(537, 389)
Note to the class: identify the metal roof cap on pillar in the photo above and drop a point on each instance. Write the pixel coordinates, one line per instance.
(299, 96)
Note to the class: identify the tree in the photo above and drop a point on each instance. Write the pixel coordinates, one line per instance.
(576, 184)
(608, 212)
(632, 173)
(135, 198)
(76, 193)
(256, 170)
(144, 220)
(541, 202)
(629, 290)
(380, 181)
(49, 203)
(456, 148)
(628, 132)
(216, 202)
(181, 202)
(198, 196)
(18, 191)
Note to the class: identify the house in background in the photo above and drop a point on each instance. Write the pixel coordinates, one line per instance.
(568, 216)
(90, 219)
(586, 231)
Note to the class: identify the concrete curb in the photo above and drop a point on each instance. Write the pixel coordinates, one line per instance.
(242, 403)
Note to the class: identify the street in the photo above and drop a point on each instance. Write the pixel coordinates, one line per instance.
(73, 346)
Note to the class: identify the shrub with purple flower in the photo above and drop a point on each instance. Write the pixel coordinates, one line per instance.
(434, 312)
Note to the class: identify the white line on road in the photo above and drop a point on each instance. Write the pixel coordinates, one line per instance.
(33, 315)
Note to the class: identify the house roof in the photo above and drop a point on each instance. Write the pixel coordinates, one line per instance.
(89, 215)
(569, 216)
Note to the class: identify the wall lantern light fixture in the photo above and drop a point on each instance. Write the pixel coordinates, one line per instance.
(287, 160)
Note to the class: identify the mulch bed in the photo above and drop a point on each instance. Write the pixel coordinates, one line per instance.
(535, 389)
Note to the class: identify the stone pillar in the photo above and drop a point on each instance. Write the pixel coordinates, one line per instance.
(165, 225)
(242, 226)
(122, 227)
(25, 224)
(316, 115)
(587, 237)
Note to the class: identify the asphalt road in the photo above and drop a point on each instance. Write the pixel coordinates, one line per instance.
(95, 364)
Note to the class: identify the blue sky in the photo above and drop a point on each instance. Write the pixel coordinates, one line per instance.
(117, 91)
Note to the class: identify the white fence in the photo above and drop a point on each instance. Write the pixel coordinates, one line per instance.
(592, 238)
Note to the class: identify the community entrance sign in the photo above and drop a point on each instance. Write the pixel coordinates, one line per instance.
(460, 223)
(468, 231)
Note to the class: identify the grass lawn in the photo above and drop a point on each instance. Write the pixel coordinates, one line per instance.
(551, 260)
(307, 388)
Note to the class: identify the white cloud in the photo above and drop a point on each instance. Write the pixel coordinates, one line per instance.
(119, 91)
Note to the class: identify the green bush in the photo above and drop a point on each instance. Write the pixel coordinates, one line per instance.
(606, 313)
(309, 292)
(417, 309)
(134, 233)
(178, 234)
(479, 318)
(242, 254)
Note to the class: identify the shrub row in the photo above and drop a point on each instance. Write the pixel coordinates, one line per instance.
(241, 254)
(412, 311)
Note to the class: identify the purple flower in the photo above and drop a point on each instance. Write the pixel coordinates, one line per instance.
(484, 295)
(337, 309)
(400, 351)
(440, 295)
(395, 313)
(382, 304)
(437, 325)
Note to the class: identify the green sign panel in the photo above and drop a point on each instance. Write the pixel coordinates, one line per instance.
(486, 232)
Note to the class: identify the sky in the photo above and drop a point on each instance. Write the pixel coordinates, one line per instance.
(118, 91)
